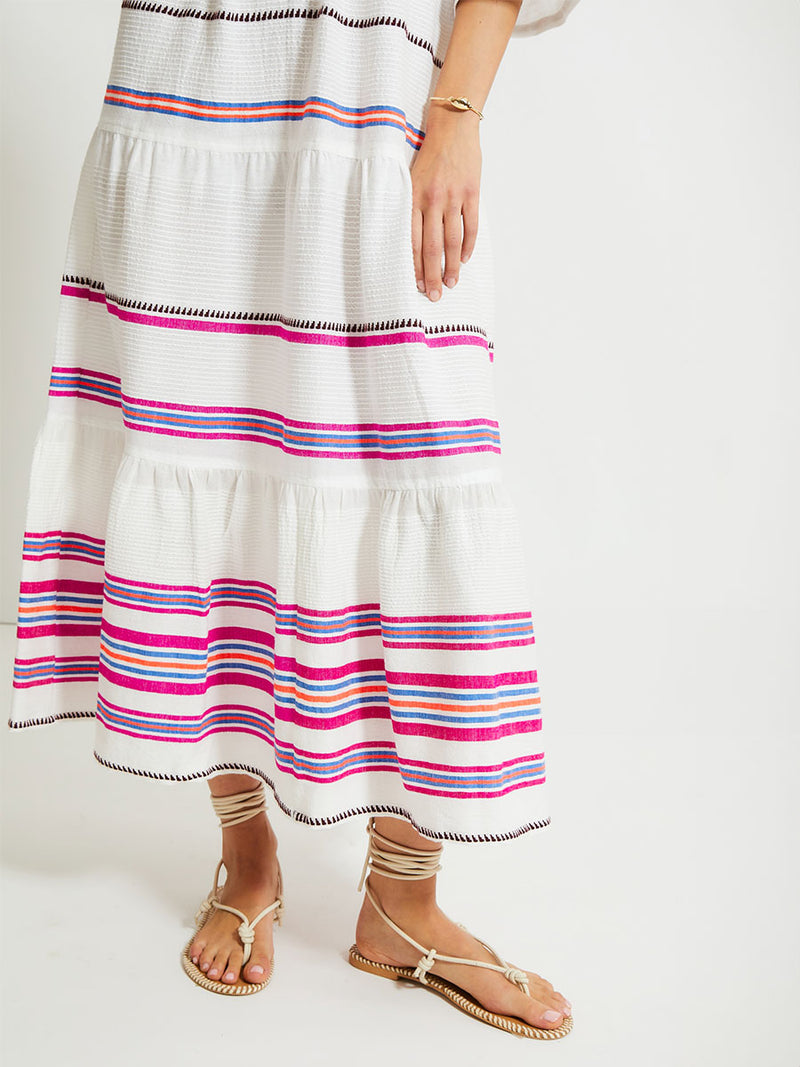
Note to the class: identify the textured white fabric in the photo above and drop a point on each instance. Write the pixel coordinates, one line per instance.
(267, 525)
(536, 16)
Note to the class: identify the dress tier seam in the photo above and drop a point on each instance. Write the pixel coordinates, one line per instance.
(130, 133)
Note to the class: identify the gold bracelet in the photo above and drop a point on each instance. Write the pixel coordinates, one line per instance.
(460, 102)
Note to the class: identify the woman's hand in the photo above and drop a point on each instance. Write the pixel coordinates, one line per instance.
(445, 179)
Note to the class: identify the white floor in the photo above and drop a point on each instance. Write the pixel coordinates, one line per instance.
(673, 931)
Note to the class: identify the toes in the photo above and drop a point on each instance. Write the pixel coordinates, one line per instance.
(217, 965)
(196, 950)
(541, 1014)
(234, 966)
(206, 959)
(561, 1004)
(544, 993)
(257, 968)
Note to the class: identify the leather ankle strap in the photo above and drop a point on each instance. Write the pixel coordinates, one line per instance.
(238, 807)
(407, 862)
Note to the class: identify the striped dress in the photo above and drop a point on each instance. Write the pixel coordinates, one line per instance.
(267, 528)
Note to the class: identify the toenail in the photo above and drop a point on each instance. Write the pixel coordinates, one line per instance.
(204, 966)
(551, 1016)
(194, 959)
(230, 976)
(215, 972)
(256, 970)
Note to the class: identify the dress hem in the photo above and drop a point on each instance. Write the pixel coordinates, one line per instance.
(297, 816)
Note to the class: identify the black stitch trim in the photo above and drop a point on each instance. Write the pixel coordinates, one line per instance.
(286, 13)
(79, 279)
(275, 316)
(51, 718)
(299, 816)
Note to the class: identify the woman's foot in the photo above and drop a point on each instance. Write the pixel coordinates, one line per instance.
(250, 852)
(412, 905)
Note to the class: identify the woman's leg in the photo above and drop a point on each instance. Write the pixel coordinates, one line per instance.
(412, 905)
(249, 850)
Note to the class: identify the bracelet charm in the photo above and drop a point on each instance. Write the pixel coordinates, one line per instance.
(459, 102)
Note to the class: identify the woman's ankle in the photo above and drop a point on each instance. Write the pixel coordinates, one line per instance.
(252, 858)
(395, 895)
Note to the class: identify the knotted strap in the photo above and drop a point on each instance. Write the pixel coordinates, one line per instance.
(246, 928)
(238, 807)
(422, 863)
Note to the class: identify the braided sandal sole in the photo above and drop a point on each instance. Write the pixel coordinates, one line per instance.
(460, 998)
(241, 987)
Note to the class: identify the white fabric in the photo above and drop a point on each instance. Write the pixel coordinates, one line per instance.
(536, 16)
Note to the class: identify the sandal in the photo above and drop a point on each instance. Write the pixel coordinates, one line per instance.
(234, 809)
(424, 863)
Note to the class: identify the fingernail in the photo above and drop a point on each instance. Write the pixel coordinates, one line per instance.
(449, 282)
(420, 285)
(434, 294)
(256, 970)
(551, 1016)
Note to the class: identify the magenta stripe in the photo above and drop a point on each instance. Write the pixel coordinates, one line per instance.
(419, 453)
(364, 768)
(448, 768)
(301, 424)
(59, 629)
(276, 329)
(246, 583)
(466, 681)
(461, 646)
(466, 733)
(70, 585)
(482, 794)
(66, 534)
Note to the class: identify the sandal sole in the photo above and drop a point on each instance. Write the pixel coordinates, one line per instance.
(460, 998)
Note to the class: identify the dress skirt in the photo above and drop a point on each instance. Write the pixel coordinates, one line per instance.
(267, 528)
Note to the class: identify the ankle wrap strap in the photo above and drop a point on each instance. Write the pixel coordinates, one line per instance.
(238, 807)
(422, 863)
(408, 862)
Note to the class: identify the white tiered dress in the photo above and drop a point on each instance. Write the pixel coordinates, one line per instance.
(267, 528)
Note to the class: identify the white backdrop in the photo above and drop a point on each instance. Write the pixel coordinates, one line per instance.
(641, 168)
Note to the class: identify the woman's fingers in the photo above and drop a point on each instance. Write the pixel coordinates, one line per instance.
(452, 244)
(470, 213)
(432, 243)
(436, 233)
(416, 245)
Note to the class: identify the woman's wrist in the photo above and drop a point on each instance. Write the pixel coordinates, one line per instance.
(449, 121)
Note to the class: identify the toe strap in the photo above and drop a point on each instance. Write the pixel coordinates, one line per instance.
(425, 965)
(247, 933)
(246, 928)
(520, 978)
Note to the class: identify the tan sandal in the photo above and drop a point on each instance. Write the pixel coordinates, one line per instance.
(231, 810)
(424, 863)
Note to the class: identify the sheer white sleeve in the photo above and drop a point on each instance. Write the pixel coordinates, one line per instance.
(536, 16)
